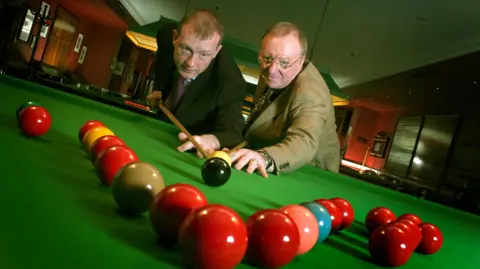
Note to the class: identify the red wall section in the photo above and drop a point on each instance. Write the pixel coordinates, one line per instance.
(103, 44)
(366, 124)
(102, 30)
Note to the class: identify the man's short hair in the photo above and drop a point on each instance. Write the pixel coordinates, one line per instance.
(283, 28)
(205, 23)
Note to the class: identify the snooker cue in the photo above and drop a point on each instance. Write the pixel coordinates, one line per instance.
(183, 129)
(238, 147)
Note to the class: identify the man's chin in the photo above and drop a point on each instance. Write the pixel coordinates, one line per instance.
(272, 83)
(187, 74)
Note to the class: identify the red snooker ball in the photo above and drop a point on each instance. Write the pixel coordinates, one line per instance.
(112, 160)
(87, 126)
(411, 217)
(35, 121)
(335, 214)
(273, 239)
(389, 246)
(102, 144)
(346, 210)
(415, 231)
(432, 239)
(377, 217)
(213, 236)
(170, 208)
(409, 231)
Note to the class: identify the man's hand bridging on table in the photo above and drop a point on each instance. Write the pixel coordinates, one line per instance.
(252, 158)
(208, 142)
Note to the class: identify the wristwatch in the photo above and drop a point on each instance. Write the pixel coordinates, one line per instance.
(266, 156)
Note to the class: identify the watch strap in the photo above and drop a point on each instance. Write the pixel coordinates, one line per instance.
(267, 158)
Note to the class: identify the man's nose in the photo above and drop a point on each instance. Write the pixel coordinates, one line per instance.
(191, 60)
(272, 68)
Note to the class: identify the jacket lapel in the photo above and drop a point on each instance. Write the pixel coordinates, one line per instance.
(192, 92)
(275, 108)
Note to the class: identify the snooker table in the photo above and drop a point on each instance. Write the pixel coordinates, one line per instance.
(57, 215)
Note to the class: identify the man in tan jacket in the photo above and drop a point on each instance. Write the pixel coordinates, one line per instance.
(293, 121)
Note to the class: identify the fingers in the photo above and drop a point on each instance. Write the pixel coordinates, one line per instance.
(182, 137)
(242, 162)
(252, 166)
(208, 151)
(262, 170)
(245, 157)
(237, 155)
(188, 145)
(185, 146)
(153, 97)
(150, 101)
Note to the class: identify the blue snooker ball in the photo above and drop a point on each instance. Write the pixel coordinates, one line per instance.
(323, 219)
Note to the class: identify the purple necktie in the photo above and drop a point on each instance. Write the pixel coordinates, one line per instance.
(174, 97)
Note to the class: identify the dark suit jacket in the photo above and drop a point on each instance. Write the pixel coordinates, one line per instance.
(212, 103)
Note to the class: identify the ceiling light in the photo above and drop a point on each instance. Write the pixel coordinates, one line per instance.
(250, 79)
(142, 41)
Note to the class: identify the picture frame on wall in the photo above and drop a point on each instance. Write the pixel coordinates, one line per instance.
(45, 7)
(27, 26)
(380, 145)
(44, 31)
(82, 55)
(32, 44)
(78, 44)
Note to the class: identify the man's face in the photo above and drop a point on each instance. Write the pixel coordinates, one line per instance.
(280, 59)
(193, 54)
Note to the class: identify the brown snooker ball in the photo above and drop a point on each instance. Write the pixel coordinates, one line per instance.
(135, 186)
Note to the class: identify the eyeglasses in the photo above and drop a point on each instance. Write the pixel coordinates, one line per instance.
(282, 63)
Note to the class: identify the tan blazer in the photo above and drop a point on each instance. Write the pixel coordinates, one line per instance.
(298, 128)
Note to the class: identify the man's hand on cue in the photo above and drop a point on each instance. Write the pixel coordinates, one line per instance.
(154, 98)
(209, 144)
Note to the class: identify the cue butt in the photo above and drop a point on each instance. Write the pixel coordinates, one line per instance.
(238, 147)
(183, 129)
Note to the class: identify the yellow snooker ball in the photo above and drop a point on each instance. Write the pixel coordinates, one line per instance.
(94, 134)
(222, 155)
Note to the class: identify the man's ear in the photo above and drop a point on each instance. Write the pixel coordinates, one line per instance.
(304, 58)
(219, 47)
(175, 35)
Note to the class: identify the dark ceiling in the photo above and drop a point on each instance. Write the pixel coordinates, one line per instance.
(437, 88)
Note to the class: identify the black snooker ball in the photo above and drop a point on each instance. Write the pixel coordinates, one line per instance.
(216, 172)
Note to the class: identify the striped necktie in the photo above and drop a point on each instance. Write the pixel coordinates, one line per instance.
(259, 107)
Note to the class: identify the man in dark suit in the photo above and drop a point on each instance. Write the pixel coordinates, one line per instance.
(199, 82)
